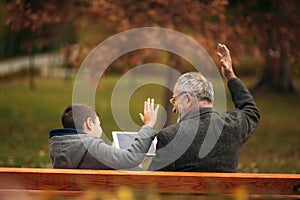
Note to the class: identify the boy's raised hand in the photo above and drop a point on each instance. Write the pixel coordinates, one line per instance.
(149, 117)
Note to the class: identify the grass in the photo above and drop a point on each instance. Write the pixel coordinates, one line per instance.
(27, 115)
(275, 145)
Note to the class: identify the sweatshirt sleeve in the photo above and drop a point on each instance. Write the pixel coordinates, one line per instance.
(124, 158)
(245, 105)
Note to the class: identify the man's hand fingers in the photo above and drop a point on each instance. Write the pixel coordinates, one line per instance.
(226, 49)
(219, 46)
(224, 64)
(220, 55)
(223, 50)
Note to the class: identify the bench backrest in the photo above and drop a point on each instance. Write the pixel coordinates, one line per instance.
(192, 183)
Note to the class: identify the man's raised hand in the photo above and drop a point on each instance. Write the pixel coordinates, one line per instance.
(225, 65)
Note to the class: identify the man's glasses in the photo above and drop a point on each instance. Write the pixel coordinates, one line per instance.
(173, 99)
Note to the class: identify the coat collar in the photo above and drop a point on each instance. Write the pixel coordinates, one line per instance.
(197, 112)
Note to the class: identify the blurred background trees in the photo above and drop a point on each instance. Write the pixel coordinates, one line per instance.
(262, 29)
(273, 27)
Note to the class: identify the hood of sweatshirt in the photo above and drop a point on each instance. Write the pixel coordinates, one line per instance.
(67, 147)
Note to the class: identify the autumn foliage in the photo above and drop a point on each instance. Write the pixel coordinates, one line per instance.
(261, 29)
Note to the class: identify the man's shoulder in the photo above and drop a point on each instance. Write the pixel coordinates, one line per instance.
(169, 131)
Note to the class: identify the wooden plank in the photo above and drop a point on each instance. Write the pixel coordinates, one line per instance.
(54, 194)
(164, 182)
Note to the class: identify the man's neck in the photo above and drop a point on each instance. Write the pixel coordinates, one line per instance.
(201, 105)
(204, 104)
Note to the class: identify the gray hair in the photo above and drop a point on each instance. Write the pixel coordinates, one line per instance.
(197, 85)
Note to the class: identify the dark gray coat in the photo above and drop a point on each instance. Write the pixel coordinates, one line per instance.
(205, 140)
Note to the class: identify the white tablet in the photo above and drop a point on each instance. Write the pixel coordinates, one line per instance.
(123, 140)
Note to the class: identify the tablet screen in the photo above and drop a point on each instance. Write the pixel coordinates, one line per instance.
(123, 140)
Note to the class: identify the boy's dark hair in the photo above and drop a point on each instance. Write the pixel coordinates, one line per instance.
(75, 115)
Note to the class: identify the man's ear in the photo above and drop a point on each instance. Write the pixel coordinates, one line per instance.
(189, 99)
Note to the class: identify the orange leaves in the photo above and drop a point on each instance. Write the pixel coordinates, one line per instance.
(23, 15)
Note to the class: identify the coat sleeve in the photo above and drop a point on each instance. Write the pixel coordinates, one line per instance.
(246, 110)
(124, 158)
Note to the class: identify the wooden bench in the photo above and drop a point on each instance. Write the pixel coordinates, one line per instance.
(68, 182)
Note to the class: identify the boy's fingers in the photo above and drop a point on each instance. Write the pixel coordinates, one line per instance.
(152, 104)
(156, 108)
(145, 106)
(148, 104)
(141, 116)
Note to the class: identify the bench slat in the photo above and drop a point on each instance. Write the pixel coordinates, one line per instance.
(165, 182)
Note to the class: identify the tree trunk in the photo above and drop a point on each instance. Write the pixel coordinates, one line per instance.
(277, 75)
(285, 82)
(31, 72)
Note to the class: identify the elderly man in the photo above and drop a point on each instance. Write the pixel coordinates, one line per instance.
(203, 139)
